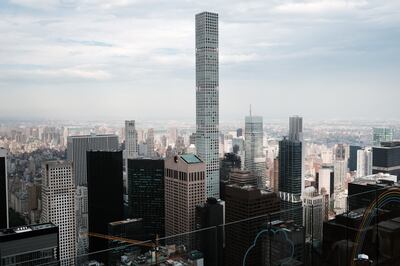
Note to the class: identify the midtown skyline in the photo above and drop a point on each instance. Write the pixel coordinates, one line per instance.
(318, 59)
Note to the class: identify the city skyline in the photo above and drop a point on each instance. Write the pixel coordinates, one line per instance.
(339, 56)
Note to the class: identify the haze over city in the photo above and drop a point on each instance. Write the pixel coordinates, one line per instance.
(71, 59)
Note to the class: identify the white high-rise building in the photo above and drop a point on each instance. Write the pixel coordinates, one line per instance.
(313, 213)
(324, 181)
(254, 154)
(58, 206)
(131, 140)
(207, 98)
(340, 172)
(364, 162)
(150, 143)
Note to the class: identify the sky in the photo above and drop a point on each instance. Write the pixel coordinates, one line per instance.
(134, 59)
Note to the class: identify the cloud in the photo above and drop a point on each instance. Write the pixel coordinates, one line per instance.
(285, 46)
(319, 6)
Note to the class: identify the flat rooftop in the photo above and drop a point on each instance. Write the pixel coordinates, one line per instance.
(27, 228)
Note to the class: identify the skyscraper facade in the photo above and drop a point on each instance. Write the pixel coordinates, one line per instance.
(353, 157)
(58, 206)
(209, 242)
(296, 128)
(291, 181)
(386, 159)
(184, 190)
(105, 195)
(150, 143)
(364, 162)
(130, 139)
(249, 205)
(146, 194)
(313, 205)
(3, 189)
(207, 98)
(340, 172)
(254, 154)
(381, 134)
(78, 146)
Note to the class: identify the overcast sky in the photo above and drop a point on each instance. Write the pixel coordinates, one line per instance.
(94, 59)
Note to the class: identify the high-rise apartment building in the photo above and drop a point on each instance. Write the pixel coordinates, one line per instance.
(146, 194)
(3, 189)
(29, 245)
(105, 195)
(251, 206)
(340, 172)
(131, 139)
(207, 98)
(364, 162)
(381, 134)
(184, 190)
(58, 206)
(254, 154)
(386, 159)
(78, 146)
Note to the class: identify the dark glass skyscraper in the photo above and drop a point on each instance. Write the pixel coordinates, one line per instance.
(3, 190)
(386, 159)
(353, 157)
(146, 194)
(290, 175)
(249, 205)
(105, 194)
(211, 242)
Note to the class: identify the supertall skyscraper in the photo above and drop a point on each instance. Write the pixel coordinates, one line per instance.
(254, 154)
(130, 139)
(207, 98)
(58, 206)
(3, 190)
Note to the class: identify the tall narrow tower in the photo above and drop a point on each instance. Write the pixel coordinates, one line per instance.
(207, 98)
(58, 206)
(130, 139)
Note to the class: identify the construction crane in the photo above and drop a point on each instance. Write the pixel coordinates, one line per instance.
(153, 245)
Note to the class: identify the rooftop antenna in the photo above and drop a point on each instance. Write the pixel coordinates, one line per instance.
(250, 110)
